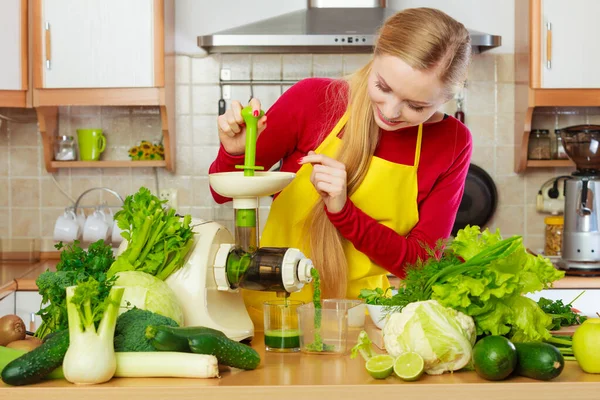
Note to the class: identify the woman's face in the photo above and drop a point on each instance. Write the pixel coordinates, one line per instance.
(402, 96)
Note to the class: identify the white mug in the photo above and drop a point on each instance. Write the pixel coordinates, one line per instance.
(66, 228)
(81, 221)
(95, 227)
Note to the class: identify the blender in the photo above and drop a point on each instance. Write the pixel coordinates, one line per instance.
(581, 237)
(208, 285)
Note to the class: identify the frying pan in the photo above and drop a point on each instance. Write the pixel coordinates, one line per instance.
(479, 200)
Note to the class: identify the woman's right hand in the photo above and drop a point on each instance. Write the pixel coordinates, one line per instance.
(232, 129)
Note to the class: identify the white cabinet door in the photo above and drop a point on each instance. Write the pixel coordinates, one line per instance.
(574, 51)
(98, 43)
(10, 45)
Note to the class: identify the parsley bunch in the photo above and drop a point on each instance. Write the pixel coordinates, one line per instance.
(75, 266)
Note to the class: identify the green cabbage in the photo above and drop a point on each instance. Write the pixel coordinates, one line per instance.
(441, 335)
(147, 292)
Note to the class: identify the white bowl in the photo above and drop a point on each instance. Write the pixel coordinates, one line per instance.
(378, 315)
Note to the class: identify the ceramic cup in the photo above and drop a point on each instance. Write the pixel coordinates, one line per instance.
(116, 234)
(91, 144)
(66, 228)
(96, 227)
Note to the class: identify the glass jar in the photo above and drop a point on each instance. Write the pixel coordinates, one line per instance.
(560, 154)
(64, 148)
(553, 235)
(540, 145)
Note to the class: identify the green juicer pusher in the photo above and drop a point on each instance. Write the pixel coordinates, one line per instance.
(246, 233)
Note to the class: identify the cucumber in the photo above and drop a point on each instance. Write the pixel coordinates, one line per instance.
(228, 352)
(537, 360)
(37, 364)
(169, 338)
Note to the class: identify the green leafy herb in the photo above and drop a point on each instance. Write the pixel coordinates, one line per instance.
(562, 314)
(75, 266)
(158, 239)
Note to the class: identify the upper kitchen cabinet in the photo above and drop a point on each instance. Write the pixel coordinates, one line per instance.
(564, 36)
(14, 50)
(99, 44)
(103, 53)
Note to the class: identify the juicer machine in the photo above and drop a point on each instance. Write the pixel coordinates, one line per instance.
(208, 285)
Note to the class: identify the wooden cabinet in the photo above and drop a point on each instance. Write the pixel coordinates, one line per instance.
(14, 51)
(98, 44)
(559, 39)
(103, 53)
(565, 35)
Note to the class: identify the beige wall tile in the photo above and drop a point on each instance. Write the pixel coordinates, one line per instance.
(511, 190)
(25, 134)
(484, 157)
(25, 222)
(354, 62)
(51, 195)
(205, 99)
(182, 69)
(183, 184)
(81, 184)
(120, 184)
(4, 192)
(266, 66)
(118, 130)
(205, 69)
(535, 221)
(25, 192)
(24, 161)
(145, 128)
(203, 158)
(4, 134)
(482, 68)
(482, 129)
(505, 129)
(509, 219)
(5, 223)
(239, 64)
(505, 160)
(202, 195)
(204, 130)
(4, 158)
(91, 111)
(327, 65)
(297, 66)
(535, 243)
(205, 213)
(184, 130)
(480, 98)
(505, 67)
(185, 160)
(182, 99)
(506, 98)
(49, 217)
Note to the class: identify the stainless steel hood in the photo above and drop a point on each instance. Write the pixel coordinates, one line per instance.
(316, 30)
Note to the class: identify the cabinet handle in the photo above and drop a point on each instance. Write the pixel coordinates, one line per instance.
(48, 46)
(549, 45)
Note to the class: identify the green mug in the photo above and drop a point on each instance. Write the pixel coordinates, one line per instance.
(91, 143)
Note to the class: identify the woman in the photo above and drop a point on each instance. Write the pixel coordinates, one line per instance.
(380, 171)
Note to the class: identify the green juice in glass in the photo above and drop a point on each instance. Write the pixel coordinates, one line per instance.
(282, 339)
(281, 325)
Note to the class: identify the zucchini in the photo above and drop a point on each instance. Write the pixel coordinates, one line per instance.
(228, 352)
(37, 364)
(169, 338)
(538, 360)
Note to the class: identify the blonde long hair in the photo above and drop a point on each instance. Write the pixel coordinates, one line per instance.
(425, 39)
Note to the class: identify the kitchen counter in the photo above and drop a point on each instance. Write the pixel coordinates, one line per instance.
(22, 276)
(301, 376)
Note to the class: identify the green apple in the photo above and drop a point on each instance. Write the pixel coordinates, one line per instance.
(586, 345)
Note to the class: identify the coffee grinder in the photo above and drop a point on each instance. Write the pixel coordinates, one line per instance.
(581, 236)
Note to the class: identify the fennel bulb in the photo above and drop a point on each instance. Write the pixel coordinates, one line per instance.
(91, 356)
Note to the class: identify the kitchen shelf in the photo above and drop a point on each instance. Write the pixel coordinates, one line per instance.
(108, 164)
(550, 164)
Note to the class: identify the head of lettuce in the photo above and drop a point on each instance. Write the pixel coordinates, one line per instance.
(441, 335)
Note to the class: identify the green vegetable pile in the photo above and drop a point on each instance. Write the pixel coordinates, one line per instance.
(130, 332)
(75, 266)
(483, 276)
(562, 314)
(157, 239)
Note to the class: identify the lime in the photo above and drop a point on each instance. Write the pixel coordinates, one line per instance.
(494, 357)
(409, 366)
(381, 366)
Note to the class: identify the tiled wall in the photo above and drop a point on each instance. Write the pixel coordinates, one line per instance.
(30, 201)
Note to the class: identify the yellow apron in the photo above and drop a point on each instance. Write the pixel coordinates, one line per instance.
(388, 194)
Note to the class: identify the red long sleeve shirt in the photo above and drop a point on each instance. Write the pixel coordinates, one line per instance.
(300, 120)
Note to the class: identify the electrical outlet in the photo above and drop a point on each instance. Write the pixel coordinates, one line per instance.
(170, 195)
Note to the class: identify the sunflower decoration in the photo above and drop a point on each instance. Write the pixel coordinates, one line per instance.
(147, 151)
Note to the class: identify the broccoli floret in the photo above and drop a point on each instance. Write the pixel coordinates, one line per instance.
(130, 332)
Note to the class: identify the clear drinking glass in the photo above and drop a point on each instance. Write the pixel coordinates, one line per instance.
(281, 325)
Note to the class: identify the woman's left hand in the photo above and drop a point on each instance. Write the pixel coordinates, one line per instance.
(329, 178)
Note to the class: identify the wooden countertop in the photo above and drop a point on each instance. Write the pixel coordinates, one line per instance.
(301, 376)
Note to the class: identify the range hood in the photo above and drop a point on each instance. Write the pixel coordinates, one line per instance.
(321, 28)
